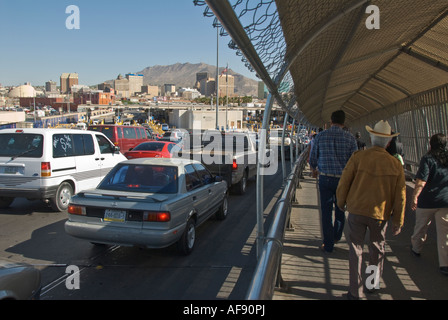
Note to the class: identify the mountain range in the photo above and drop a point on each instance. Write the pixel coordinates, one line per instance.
(184, 75)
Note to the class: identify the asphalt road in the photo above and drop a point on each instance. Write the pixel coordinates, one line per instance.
(220, 267)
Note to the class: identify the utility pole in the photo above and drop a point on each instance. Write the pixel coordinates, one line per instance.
(227, 96)
(217, 75)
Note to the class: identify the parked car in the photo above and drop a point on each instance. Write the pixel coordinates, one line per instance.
(52, 164)
(152, 149)
(149, 202)
(123, 136)
(173, 136)
(19, 281)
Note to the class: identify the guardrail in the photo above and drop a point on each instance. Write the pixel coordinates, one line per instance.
(268, 270)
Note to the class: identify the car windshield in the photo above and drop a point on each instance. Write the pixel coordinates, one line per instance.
(141, 178)
(149, 146)
(21, 145)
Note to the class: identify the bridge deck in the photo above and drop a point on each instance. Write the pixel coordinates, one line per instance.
(310, 274)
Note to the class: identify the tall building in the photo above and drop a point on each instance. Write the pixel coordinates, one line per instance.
(121, 86)
(209, 87)
(226, 85)
(201, 75)
(135, 83)
(152, 91)
(103, 86)
(201, 82)
(168, 89)
(50, 86)
(67, 81)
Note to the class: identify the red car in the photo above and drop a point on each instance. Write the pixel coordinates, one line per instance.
(152, 149)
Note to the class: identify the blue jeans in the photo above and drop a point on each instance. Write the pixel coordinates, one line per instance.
(331, 231)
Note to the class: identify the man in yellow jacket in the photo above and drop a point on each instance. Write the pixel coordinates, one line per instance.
(372, 189)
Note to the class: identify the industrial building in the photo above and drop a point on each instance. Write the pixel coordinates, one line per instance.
(205, 119)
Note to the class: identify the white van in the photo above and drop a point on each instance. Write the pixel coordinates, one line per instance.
(53, 164)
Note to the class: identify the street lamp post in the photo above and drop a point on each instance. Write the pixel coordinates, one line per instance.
(217, 76)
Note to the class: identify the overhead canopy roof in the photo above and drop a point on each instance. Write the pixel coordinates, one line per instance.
(336, 62)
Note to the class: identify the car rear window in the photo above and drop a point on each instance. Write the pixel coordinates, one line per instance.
(141, 178)
(24, 145)
(151, 146)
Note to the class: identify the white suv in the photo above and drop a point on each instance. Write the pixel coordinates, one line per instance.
(53, 164)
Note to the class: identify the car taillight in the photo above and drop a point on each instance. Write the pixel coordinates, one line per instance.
(45, 169)
(156, 216)
(78, 210)
(234, 165)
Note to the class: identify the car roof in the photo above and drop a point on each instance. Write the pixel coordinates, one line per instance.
(158, 141)
(115, 125)
(46, 130)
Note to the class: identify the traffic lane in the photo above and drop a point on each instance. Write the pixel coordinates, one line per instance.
(33, 233)
(220, 267)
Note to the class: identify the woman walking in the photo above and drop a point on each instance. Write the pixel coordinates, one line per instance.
(430, 199)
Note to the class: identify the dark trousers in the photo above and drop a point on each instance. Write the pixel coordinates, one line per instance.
(332, 231)
(358, 226)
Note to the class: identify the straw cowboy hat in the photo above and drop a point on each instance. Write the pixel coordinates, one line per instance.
(382, 129)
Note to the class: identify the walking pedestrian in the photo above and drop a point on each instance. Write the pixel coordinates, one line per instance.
(395, 148)
(361, 144)
(373, 190)
(430, 199)
(330, 152)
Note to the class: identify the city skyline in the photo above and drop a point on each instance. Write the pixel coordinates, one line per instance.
(112, 38)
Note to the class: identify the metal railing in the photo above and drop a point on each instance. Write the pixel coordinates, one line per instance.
(267, 274)
(416, 118)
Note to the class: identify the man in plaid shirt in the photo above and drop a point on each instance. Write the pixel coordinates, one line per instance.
(330, 152)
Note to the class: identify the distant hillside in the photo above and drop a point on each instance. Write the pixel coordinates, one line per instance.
(184, 75)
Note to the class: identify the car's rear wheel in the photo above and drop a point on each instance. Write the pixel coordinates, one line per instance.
(62, 198)
(240, 187)
(223, 209)
(186, 242)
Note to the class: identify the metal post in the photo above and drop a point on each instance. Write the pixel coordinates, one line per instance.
(426, 125)
(217, 76)
(291, 150)
(285, 121)
(439, 108)
(227, 97)
(414, 125)
(260, 162)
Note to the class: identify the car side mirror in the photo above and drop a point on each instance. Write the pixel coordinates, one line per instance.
(218, 178)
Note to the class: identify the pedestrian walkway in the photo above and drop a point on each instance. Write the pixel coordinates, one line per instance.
(310, 274)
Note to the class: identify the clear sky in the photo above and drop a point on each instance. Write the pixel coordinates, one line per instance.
(114, 37)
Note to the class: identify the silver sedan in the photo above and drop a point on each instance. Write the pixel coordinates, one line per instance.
(19, 281)
(149, 202)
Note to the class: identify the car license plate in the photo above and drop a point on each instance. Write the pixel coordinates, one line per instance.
(115, 215)
(10, 170)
